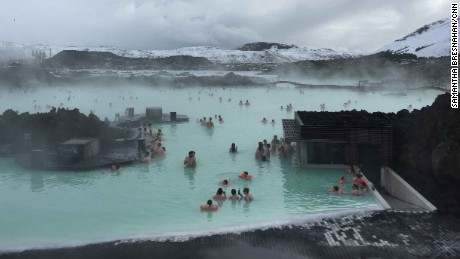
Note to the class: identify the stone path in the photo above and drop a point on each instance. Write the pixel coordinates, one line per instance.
(378, 234)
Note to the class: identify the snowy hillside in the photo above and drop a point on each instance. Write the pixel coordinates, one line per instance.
(431, 40)
(9, 51)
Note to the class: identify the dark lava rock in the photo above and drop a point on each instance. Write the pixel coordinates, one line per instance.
(106, 60)
(260, 46)
(51, 128)
(427, 152)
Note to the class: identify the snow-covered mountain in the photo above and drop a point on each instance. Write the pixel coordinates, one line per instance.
(9, 51)
(431, 40)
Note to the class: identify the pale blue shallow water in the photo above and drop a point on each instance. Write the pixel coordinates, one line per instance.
(162, 198)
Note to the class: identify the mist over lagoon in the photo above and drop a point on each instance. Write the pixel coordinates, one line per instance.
(203, 129)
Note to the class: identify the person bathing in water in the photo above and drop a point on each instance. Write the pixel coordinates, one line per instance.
(190, 160)
(210, 124)
(259, 152)
(247, 196)
(115, 167)
(233, 148)
(225, 182)
(160, 135)
(336, 190)
(245, 175)
(267, 153)
(220, 195)
(275, 142)
(355, 190)
(209, 206)
(159, 151)
(234, 197)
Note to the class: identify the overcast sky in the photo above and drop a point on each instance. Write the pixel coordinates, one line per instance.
(347, 25)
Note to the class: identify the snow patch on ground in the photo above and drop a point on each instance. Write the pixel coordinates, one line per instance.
(431, 40)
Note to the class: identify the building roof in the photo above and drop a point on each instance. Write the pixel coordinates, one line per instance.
(77, 141)
(355, 119)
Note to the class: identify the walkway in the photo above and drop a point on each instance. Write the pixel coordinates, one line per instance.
(379, 234)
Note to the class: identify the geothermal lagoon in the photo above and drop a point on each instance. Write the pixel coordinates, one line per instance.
(162, 198)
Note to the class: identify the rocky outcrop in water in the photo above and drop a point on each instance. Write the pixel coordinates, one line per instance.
(51, 128)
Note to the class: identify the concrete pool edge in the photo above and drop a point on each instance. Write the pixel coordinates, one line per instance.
(377, 196)
(377, 234)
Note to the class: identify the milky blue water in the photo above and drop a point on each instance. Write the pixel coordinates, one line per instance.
(41, 209)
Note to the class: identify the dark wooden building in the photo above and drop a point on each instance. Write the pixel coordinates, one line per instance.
(340, 138)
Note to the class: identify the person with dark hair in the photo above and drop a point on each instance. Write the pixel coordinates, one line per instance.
(190, 160)
(282, 152)
(267, 153)
(220, 195)
(247, 196)
(159, 150)
(336, 190)
(233, 148)
(245, 175)
(145, 157)
(360, 181)
(259, 153)
(355, 190)
(159, 135)
(234, 197)
(209, 206)
(210, 124)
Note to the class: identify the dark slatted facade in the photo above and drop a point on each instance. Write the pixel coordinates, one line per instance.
(340, 128)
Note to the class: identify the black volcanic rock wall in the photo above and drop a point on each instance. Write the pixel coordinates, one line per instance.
(352, 118)
(51, 128)
(427, 152)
